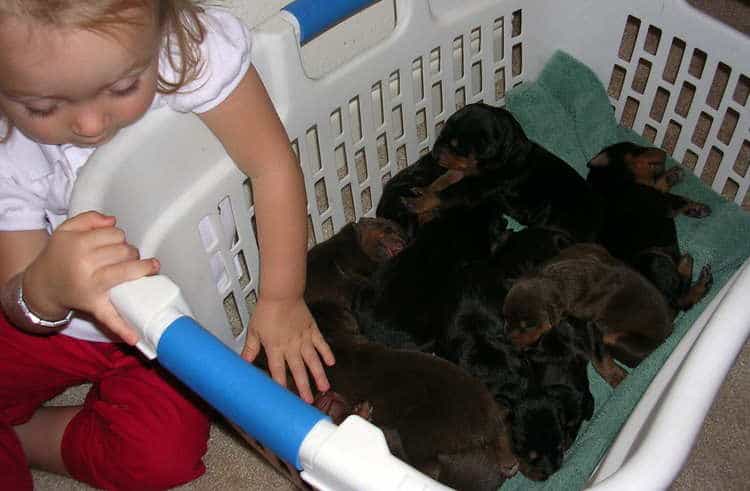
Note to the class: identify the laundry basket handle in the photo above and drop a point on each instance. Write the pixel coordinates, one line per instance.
(317, 16)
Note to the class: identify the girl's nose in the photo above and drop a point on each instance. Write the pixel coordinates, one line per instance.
(91, 122)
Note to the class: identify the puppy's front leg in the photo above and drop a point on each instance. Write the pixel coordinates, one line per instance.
(427, 199)
(680, 205)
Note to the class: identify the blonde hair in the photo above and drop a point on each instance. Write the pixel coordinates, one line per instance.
(177, 20)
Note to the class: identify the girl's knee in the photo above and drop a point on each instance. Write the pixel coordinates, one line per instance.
(128, 455)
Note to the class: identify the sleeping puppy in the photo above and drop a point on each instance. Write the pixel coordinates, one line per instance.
(434, 415)
(499, 163)
(338, 267)
(586, 282)
(545, 387)
(639, 225)
(546, 421)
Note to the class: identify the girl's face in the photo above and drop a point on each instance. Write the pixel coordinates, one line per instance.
(63, 85)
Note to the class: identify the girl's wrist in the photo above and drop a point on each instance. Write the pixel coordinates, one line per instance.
(36, 298)
(20, 314)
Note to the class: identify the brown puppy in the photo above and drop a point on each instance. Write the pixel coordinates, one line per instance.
(435, 416)
(587, 283)
(340, 264)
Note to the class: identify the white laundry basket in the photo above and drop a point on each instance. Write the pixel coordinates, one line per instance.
(674, 75)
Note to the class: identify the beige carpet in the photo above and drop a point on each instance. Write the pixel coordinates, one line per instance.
(719, 460)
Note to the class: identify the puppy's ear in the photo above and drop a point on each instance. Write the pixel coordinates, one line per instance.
(599, 160)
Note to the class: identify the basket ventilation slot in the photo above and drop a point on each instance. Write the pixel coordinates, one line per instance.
(228, 245)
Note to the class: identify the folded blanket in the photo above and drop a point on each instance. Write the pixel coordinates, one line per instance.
(568, 112)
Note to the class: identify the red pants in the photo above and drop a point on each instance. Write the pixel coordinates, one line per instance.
(138, 428)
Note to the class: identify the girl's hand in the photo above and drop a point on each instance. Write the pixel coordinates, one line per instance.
(84, 258)
(290, 337)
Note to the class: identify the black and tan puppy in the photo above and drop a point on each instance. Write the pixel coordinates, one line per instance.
(586, 282)
(545, 387)
(435, 416)
(639, 225)
(499, 163)
(546, 421)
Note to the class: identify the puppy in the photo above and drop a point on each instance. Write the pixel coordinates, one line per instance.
(545, 387)
(349, 258)
(546, 421)
(499, 163)
(435, 416)
(586, 282)
(639, 225)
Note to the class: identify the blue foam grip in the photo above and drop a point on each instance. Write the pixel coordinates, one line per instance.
(244, 394)
(317, 16)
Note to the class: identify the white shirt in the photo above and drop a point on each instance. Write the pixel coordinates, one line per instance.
(36, 180)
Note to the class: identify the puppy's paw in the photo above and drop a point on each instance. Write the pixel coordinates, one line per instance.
(706, 277)
(697, 210)
(417, 191)
(615, 377)
(685, 267)
(333, 404)
(363, 410)
(422, 203)
(509, 466)
(673, 176)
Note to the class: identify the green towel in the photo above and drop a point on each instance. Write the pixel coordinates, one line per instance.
(568, 112)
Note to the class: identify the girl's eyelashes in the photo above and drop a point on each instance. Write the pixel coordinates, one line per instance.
(129, 89)
(40, 113)
(120, 89)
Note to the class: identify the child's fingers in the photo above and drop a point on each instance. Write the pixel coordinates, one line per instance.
(107, 315)
(323, 348)
(114, 254)
(112, 275)
(276, 366)
(104, 236)
(87, 220)
(299, 374)
(310, 356)
(252, 346)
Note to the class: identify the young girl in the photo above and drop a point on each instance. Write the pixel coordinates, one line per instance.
(72, 74)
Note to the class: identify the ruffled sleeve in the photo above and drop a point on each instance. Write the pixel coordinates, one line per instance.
(225, 57)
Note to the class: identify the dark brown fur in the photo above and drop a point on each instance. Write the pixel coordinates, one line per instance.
(337, 267)
(586, 282)
(434, 415)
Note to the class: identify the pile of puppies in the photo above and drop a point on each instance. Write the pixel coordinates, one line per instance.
(468, 343)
